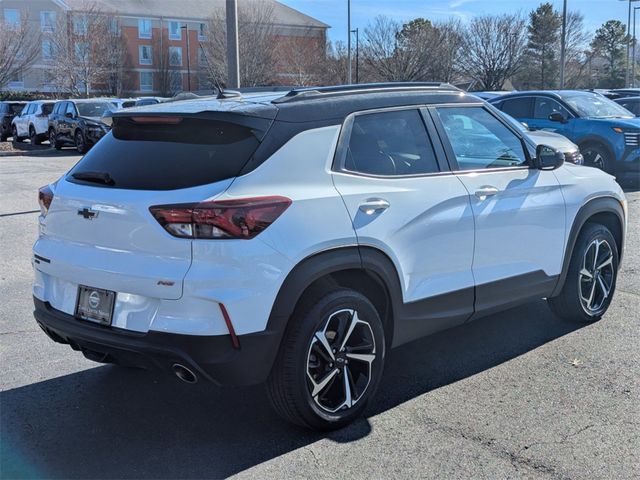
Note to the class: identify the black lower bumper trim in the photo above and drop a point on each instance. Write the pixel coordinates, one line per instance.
(210, 357)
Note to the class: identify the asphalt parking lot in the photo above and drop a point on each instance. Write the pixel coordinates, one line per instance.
(521, 394)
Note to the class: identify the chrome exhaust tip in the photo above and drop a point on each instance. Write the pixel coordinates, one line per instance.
(184, 374)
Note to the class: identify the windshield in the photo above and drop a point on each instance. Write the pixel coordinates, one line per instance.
(596, 106)
(93, 109)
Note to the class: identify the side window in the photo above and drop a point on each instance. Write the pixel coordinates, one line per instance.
(479, 140)
(46, 108)
(545, 106)
(517, 107)
(70, 108)
(30, 109)
(390, 143)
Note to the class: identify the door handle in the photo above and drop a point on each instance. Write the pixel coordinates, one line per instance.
(485, 191)
(373, 205)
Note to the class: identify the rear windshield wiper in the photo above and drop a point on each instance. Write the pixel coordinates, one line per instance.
(96, 177)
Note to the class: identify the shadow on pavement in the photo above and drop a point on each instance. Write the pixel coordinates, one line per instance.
(109, 422)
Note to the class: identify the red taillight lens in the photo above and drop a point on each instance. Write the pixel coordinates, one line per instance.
(226, 219)
(45, 197)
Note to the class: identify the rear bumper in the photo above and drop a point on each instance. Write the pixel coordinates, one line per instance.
(209, 357)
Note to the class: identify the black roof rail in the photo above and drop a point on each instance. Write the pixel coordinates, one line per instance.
(308, 93)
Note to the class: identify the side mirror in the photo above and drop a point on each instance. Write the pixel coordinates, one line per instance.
(548, 158)
(68, 115)
(557, 117)
(525, 125)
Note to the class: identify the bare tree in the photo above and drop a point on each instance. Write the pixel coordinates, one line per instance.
(492, 49)
(19, 48)
(417, 50)
(576, 44)
(302, 58)
(256, 31)
(115, 58)
(334, 66)
(81, 44)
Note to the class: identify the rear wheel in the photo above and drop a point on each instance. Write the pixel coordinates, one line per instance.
(330, 361)
(596, 155)
(591, 279)
(53, 140)
(81, 144)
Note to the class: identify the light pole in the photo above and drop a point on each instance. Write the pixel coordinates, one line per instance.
(563, 44)
(185, 27)
(357, 32)
(233, 57)
(633, 52)
(349, 42)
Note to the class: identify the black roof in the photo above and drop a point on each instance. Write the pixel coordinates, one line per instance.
(314, 104)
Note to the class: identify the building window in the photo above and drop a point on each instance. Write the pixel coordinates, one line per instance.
(82, 51)
(114, 26)
(175, 56)
(12, 17)
(80, 25)
(17, 81)
(144, 28)
(145, 55)
(48, 21)
(146, 81)
(202, 31)
(176, 81)
(175, 33)
(47, 49)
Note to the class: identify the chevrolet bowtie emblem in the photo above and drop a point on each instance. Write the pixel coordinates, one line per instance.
(88, 213)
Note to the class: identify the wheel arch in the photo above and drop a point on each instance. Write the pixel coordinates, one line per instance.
(606, 211)
(364, 269)
(596, 140)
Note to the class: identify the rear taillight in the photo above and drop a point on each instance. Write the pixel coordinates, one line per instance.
(226, 219)
(45, 197)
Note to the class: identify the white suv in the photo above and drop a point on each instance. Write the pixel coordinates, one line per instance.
(33, 122)
(294, 239)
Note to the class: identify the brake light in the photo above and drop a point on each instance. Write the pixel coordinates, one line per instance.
(45, 197)
(226, 219)
(157, 120)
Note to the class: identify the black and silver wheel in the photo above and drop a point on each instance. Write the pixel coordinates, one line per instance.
(53, 140)
(330, 361)
(591, 278)
(596, 155)
(81, 144)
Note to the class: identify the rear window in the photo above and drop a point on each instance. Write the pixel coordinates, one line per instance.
(93, 109)
(194, 152)
(16, 108)
(47, 108)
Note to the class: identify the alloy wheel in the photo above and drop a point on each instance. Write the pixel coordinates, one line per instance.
(339, 361)
(596, 277)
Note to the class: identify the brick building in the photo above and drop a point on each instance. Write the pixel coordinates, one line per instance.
(148, 26)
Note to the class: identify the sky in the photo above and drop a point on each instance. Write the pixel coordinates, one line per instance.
(334, 12)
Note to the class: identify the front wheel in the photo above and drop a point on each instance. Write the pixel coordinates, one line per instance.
(330, 361)
(33, 136)
(591, 279)
(596, 155)
(81, 144)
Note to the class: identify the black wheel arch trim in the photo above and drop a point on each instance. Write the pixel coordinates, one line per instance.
(593, 139)
(588, 210)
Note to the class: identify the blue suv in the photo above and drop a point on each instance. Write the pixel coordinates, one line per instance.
(608, 135)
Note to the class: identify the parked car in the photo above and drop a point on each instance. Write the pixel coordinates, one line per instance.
(630, 103)
(120, 103)
(310, 232)
(32, 122)
(8, 110)
(607, 134)
(141, 102)
(78, 123)
(622, 93)
(543, 137)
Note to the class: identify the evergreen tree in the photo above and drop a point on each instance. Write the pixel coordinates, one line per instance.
(542, 57)
(609, 43)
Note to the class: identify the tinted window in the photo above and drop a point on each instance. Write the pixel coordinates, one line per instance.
(70, 108)
(167, 157)
(545, 106)
(517, 107)
(632, 105)
(47, 108)
(56, 108)
(390, 143)
(479, 140)
(93, 109)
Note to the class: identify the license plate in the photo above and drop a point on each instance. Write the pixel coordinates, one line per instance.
(95, 304)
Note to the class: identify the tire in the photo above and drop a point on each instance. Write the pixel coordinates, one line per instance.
(598, 156)
(3, 137)
(306, 354)
(53, 140)
(583, 296)
(14, 134)
(33, 136)
(81, 144)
